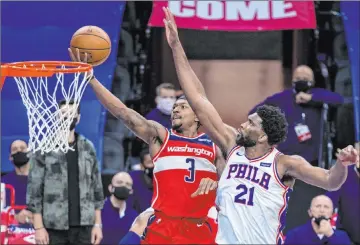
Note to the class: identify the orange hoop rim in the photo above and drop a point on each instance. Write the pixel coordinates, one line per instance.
(42, 68)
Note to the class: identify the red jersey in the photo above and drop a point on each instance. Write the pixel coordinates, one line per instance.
(180, 165)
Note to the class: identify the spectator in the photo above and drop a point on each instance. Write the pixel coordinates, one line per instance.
(347, 201)
(19, 177)
(117, 215)
(165, 99)
(314, 233)
(143, 182)
(65, 192)
(302, 106)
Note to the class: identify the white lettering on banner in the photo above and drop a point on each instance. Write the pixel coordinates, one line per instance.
(233, 10)
(197, 151)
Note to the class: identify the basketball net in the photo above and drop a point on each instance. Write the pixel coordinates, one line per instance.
(49, 127)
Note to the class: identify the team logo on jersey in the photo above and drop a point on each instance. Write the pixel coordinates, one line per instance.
(197, 151)
(240, 153)
(206, 140)
(265, 164)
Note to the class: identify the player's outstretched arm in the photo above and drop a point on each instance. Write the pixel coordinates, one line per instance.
(194, 90)
(331, 180)
(148, 131)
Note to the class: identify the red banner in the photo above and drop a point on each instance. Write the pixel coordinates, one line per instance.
(237, 15)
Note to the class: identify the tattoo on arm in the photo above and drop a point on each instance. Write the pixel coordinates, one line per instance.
(143, 128)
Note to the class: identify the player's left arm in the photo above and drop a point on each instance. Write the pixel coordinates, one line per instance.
(331, 180)
(220, 162)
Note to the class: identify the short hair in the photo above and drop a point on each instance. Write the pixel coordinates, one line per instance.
(183, 97)
(71, 102)
(274, 123)
(25, 141)
(164, 86)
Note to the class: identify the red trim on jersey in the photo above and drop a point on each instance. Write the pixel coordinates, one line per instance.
(232, 151)
(197, 136)
(279, 233)
(276, 173)
(214, 149)
(260, 158)
(162, 147)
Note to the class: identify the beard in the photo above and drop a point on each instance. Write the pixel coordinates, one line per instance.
(245, 141)
(177, 127)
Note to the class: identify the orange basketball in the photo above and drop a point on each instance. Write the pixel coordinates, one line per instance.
(94, 41)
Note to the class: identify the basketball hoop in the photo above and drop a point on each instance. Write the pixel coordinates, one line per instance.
(48, 125)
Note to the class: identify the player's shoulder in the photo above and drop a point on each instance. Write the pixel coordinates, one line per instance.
(288, 160)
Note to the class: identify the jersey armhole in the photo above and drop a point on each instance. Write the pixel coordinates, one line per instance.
(231, 152)
(276, 174)
(163, 145)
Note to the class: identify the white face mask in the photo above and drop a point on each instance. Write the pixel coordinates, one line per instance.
(165, 105)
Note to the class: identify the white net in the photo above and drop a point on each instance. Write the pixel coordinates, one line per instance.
(49, 126)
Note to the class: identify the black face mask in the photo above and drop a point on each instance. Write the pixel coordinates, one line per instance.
(73, 123)
(121, 193)
(149, 172)
(302, 86)
(20, 159)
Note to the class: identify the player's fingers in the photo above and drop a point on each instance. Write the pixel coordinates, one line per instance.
(72, 56)
(85, 58)
(166, 13)
(196, 193)
(213, 185)
(208, 186)
(78, 55)
(171, 16)
(202, 186)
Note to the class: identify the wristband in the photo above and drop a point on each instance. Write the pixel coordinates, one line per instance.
(98, 226)
(42, 227)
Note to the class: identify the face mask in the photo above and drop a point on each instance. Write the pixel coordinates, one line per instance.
(149, 172)
(302, 86)
(121, 193)
(73, 124)
(165, 105)
(20, 159)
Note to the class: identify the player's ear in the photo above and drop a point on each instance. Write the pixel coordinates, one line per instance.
(263, 138)
(197, 119)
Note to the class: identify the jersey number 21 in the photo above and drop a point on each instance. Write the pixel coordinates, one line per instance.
(245, 196)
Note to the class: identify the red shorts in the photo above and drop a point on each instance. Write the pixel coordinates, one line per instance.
(168, 230)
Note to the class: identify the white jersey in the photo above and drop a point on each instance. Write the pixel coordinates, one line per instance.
(252, 200)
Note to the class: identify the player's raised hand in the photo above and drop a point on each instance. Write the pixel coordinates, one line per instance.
(348, 155)
(76, 57)
(170, 28)
(205, 186)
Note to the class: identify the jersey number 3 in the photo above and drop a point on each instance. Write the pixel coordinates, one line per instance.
(242, 197)
(191, 177)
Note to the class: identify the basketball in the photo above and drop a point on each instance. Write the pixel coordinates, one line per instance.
(94, 41)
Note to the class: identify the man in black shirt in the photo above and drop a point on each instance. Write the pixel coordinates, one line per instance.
(65, 191)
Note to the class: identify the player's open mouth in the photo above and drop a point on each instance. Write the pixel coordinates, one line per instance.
(176, 117)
